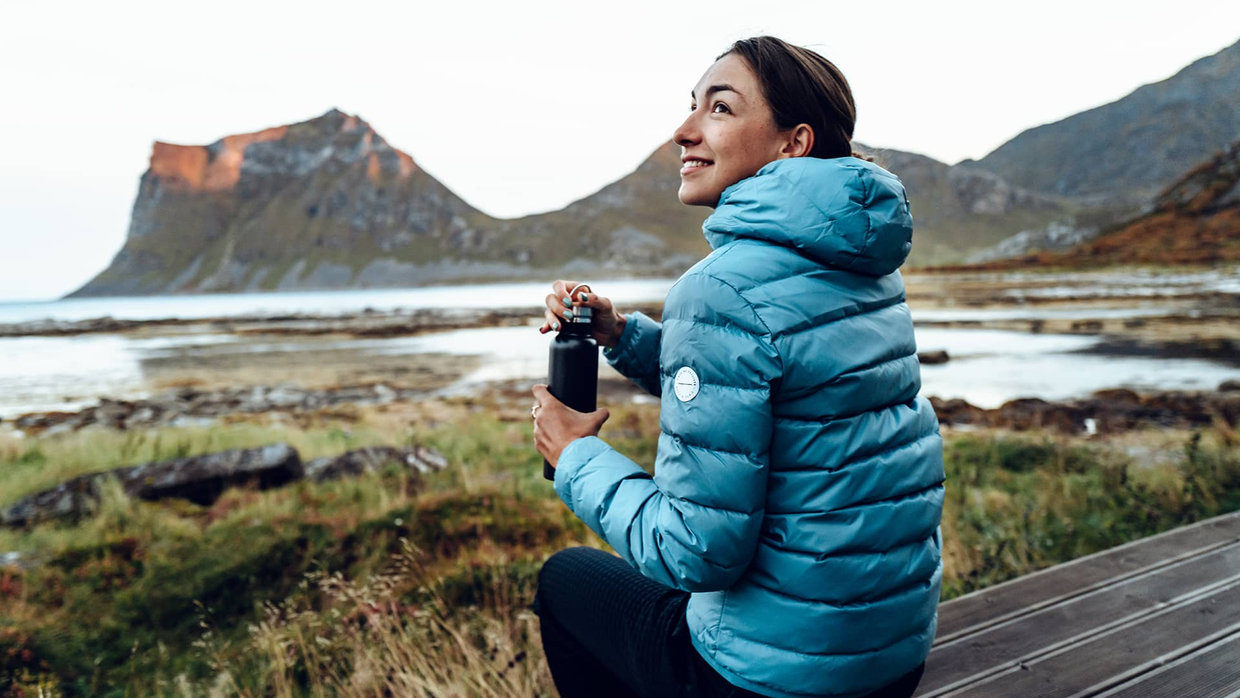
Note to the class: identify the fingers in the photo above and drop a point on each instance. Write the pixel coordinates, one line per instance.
(562, 287)
(551, 322)
(556, 303)
(559, 308)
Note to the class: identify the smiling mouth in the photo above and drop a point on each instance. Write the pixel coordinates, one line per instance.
(692, 165)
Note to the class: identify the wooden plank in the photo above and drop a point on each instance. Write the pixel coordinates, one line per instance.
(1026, 594)
(972, 657)
(1212, 671)
(1076, 668)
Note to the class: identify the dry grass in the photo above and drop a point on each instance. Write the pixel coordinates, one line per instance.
(318, 589)
(369, 639)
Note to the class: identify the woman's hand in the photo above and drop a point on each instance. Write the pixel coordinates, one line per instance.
(556, 425)
(608, 325)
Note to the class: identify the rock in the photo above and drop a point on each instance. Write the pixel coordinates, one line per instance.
(14, 559)
(1087, 326)
(69, 499)
(420, 459)
(1106, 411)
(930, 358)
(384, 395)
(200, 479)
(957, 411)
(1229, 386)
(285, 396)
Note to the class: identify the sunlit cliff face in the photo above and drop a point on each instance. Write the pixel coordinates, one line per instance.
(192, 167)
(218, 167)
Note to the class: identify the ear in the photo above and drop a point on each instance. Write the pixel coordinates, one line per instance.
(799, 142)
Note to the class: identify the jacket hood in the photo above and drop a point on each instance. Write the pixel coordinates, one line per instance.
(844, 212)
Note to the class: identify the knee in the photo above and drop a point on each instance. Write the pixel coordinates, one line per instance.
(559, 566)
(562, 570)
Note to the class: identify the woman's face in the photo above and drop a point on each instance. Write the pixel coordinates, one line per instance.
(729, 135)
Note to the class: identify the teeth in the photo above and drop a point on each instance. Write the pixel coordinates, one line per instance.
(696, 163)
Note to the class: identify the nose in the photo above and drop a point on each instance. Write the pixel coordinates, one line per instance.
(688, 133)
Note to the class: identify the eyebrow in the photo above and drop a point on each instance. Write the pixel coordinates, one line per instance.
(717, 88)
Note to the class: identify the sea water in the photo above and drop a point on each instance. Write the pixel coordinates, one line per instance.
(987, 367)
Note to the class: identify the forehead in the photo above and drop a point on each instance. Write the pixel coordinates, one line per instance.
(730, 70)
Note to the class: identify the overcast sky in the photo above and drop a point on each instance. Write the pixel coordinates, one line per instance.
(518, 107)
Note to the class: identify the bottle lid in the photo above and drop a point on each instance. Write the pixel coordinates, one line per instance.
(583, 315)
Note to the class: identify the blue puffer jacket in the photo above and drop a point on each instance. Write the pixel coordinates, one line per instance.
(798, 485)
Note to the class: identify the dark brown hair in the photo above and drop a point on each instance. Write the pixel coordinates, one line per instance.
(802, 87)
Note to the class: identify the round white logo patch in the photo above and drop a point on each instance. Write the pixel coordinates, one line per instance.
(686, 384)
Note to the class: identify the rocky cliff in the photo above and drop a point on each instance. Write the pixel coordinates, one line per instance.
(327, 203)
(302, 206)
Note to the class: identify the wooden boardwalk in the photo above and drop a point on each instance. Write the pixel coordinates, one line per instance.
(1159, 617)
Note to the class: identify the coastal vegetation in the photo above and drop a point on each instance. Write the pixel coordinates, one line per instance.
(420, 585)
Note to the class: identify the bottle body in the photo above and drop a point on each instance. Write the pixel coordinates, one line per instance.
(572, 372)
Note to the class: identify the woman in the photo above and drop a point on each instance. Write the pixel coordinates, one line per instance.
(787, 544)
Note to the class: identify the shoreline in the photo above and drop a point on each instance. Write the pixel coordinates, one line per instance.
(361, 324)
(1103, 412)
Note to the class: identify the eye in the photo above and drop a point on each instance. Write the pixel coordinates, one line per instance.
(720, 108)
(692, 107)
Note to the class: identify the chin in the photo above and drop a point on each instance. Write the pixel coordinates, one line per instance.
(689, 197)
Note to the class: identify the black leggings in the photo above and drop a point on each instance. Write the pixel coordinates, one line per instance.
(609, 632)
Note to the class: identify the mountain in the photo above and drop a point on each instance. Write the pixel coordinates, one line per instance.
(634, 225)
(1194, 221)
(295, 206)
(962, 208)
(1130, 149)
(327, 203)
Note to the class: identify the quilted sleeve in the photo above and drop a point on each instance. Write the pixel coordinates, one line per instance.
(695, 524)
(636, 355)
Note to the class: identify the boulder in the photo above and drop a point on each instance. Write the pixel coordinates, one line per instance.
(200, 479)
(419, 459)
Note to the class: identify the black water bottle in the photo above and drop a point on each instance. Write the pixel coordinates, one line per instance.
(573, 368)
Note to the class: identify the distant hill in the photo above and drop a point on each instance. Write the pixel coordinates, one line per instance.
(1132, 148)
(963, 208)
(1194, 221)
